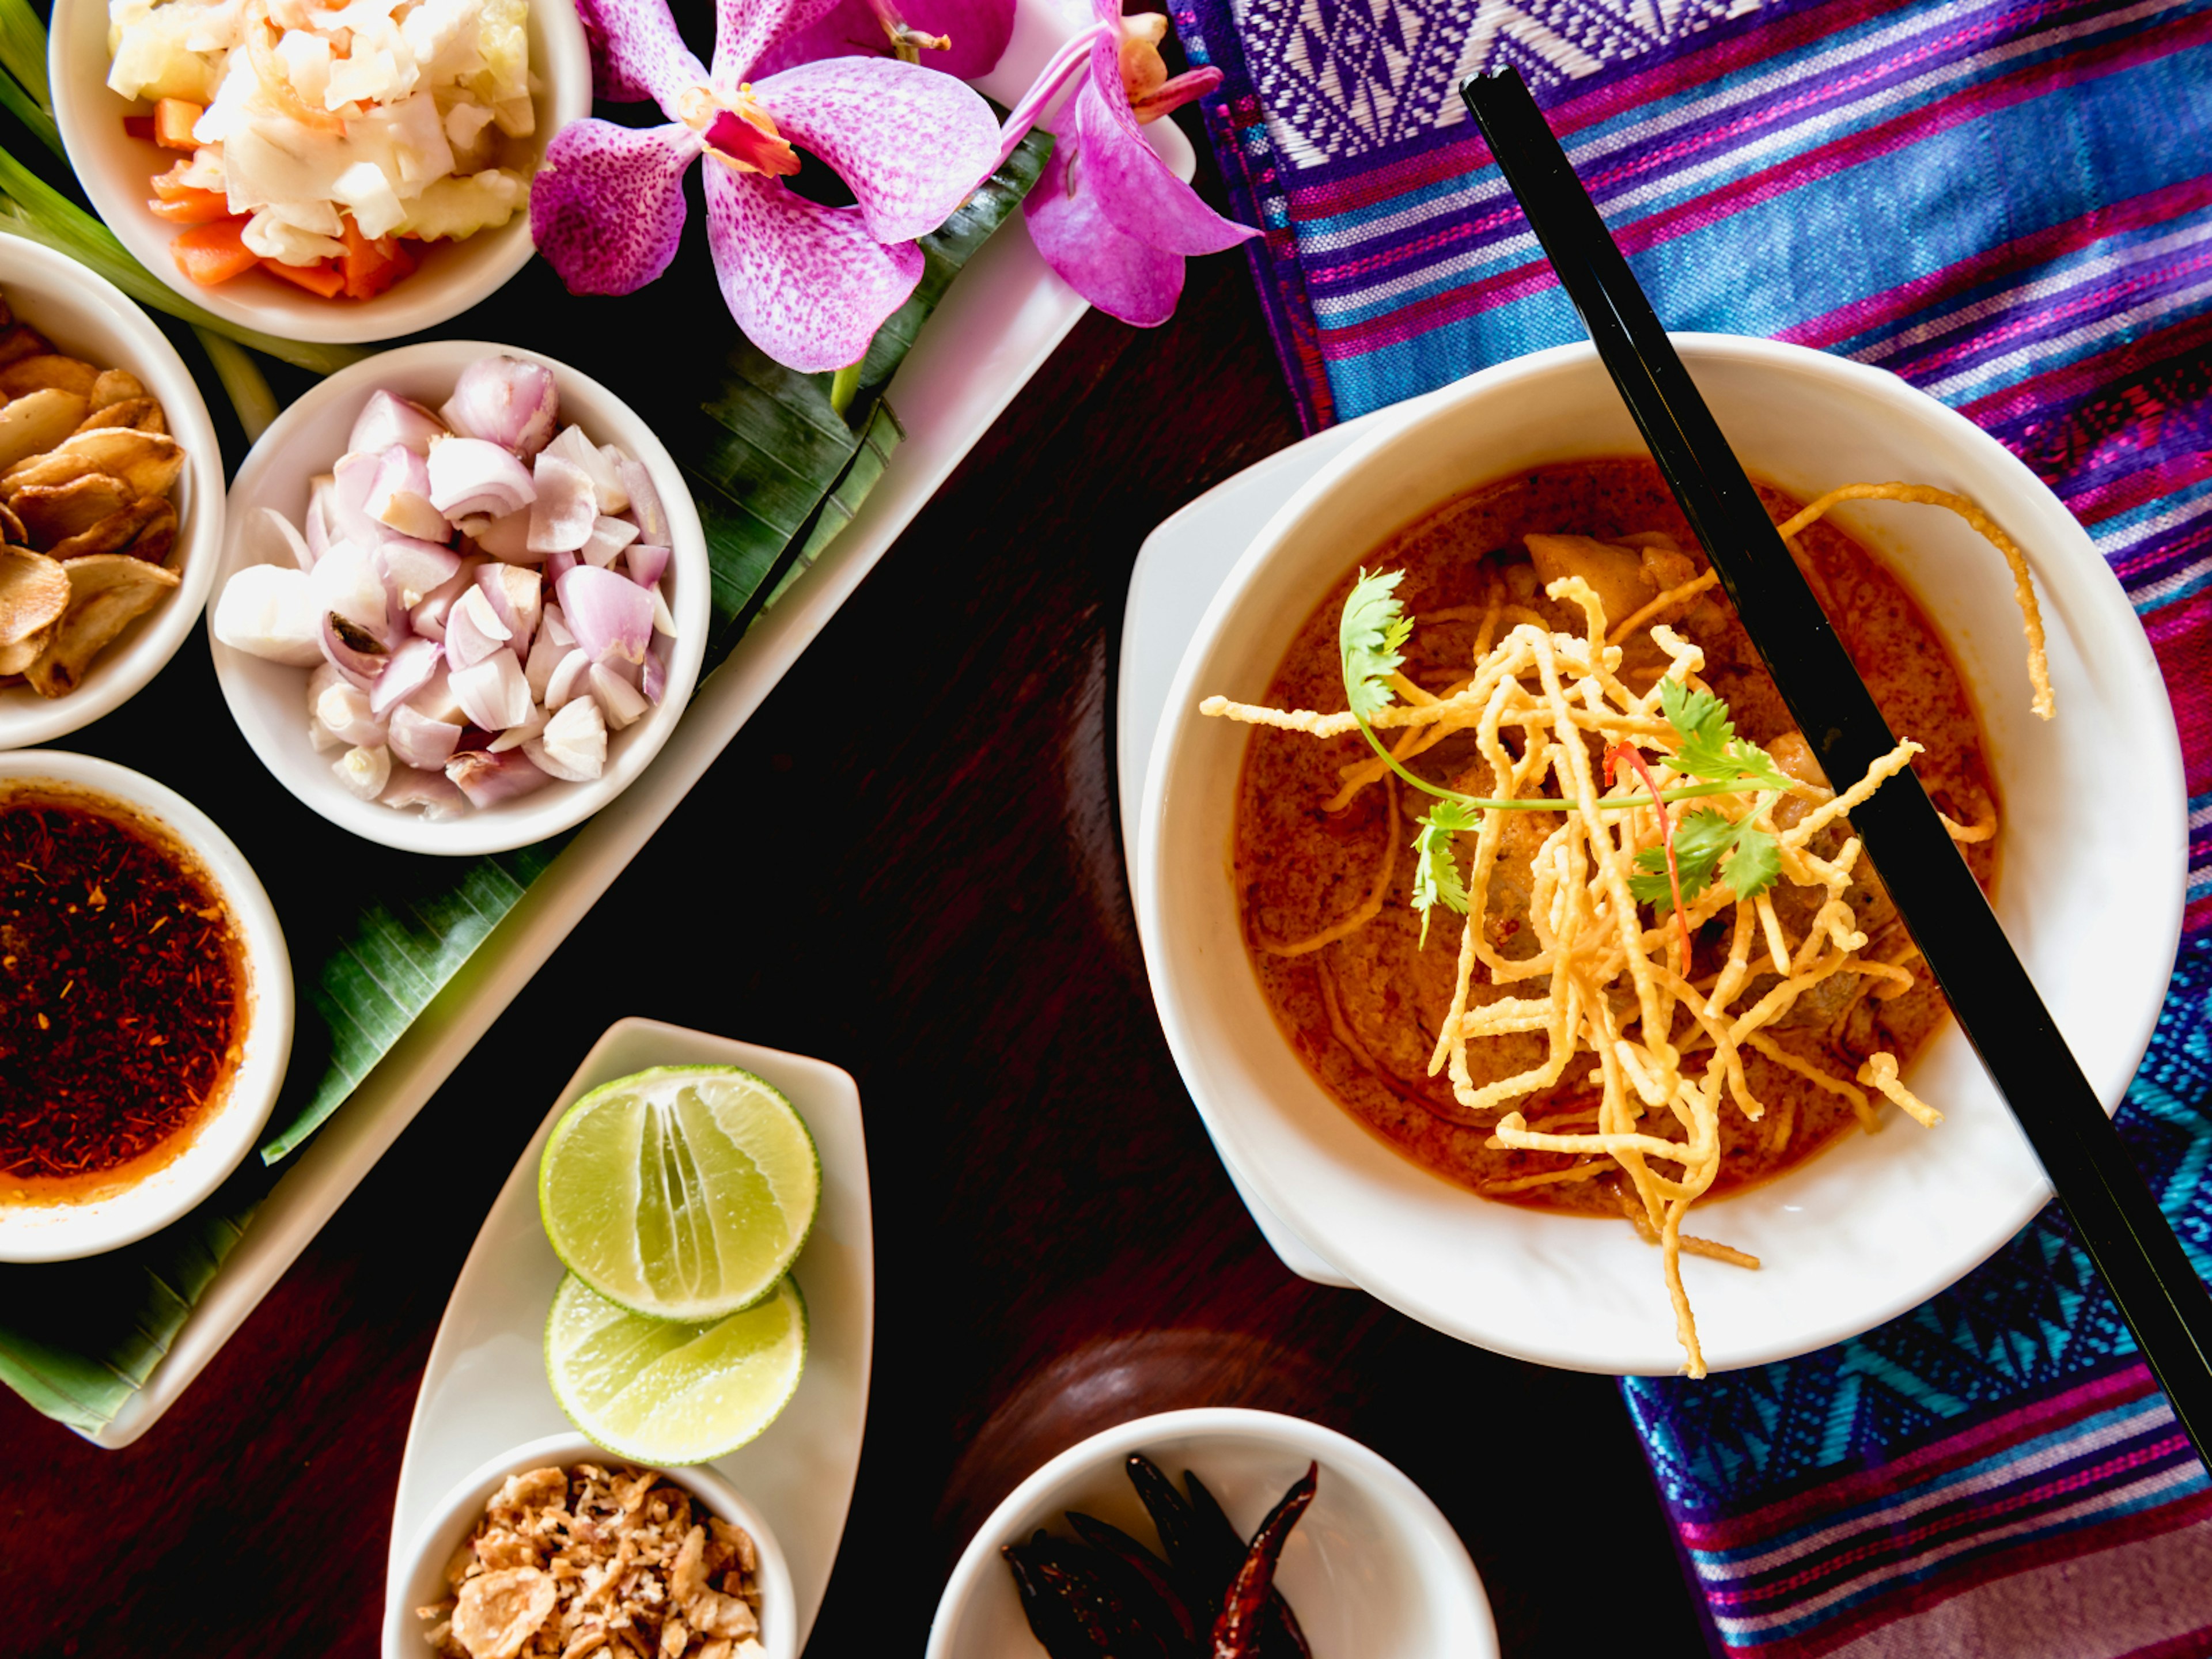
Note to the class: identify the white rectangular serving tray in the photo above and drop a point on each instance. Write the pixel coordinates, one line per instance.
(998, 324)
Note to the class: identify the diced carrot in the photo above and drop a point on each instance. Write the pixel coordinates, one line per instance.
(372, 267)
(191, 207)
(138, 126)
(323, 279)
(210, 254)
(173, 123)
(171, 184)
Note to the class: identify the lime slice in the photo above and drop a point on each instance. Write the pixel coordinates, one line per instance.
(685, 1191)
(665, 1391)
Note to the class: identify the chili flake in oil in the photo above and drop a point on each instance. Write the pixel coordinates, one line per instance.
(120, 990)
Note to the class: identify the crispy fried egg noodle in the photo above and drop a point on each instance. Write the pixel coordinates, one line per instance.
(1603, 986)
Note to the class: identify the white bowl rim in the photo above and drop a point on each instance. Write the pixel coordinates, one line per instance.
(123, 670)
(2165, 897)
(224, 1141)
(508, 825)
(1413, 1509)
(402, 1632)
(404, 308)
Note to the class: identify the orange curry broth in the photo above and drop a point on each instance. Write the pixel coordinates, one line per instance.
(1362, 1011)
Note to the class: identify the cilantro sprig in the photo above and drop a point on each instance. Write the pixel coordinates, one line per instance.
(1371, 637)
(1708, 844)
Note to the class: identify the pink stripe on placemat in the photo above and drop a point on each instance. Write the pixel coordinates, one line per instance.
(1899, 1549)
(2022, 253)
(2047, 1598)
(2117, 1388)
(2088, 374)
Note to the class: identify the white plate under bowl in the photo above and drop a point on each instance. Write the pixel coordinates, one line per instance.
(87, 317)
(269, 700)
(117, 171)
(447, 1528)
(2092, 852)
(62, 1233)
(484, 1387)
(1372, 1568)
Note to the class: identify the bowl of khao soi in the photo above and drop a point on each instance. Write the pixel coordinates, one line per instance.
(145, 1006)
(1513, 942)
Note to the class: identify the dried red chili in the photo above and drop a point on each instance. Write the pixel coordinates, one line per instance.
(119, 994)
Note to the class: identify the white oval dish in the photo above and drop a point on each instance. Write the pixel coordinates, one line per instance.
(484, 1382)
(448, 1528)
(2093, 847)
(1372, 1568)
(269, 700)
(87, 317)
(63, 1233)
(116, 170)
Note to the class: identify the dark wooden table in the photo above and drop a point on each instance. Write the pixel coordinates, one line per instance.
(909, 864)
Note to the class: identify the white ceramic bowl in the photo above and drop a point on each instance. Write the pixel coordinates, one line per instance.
(1372, 1568)
(87, 317)
(62, 1233)
(116, 170)
(270, 701)
(2092, 857)
(448, 1528)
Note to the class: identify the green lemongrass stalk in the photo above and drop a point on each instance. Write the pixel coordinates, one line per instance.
(241, 377)
(23, 52)
(36, 211)
(25, 92)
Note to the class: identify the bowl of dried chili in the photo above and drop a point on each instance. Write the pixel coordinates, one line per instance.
(145, 1005)
(1173, 1532)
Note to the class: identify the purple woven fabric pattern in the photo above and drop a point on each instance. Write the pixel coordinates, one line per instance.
(2008, 203)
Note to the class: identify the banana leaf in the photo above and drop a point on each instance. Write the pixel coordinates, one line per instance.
(778, 471)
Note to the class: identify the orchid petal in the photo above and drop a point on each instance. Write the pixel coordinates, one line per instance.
(978, 31)
(637, 53)
(909, 143)
(808, 283)
(1135, 189)
(1115, 272)
(745, 29)
(607, 210)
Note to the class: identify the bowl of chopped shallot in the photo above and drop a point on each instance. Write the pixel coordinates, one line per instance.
(355, 172)
(557, 1547)
(463, 600)
(111, 496)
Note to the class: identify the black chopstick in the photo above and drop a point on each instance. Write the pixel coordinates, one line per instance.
(2117, 1221)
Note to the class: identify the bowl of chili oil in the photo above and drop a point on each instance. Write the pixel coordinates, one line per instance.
(125, 994)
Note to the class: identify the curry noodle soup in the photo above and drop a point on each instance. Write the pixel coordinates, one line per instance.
(1326, 874)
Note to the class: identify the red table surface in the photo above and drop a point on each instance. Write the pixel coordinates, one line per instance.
(908, 863)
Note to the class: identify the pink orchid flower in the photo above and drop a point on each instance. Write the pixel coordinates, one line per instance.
(1108, 215)
(964, 38)
(809, 284)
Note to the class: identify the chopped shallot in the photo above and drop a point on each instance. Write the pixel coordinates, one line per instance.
(469, 476)
(492, 693)
(268, 610)
(418, 740)
(385, 420)
(364, 772)
(566, 509)
(506, 401)
(432, 791)
(488, 780)
(610, 615)
(623, 702)
(573, 745)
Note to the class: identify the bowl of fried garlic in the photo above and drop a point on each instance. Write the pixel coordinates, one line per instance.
(559, 1546)
(111, 496)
